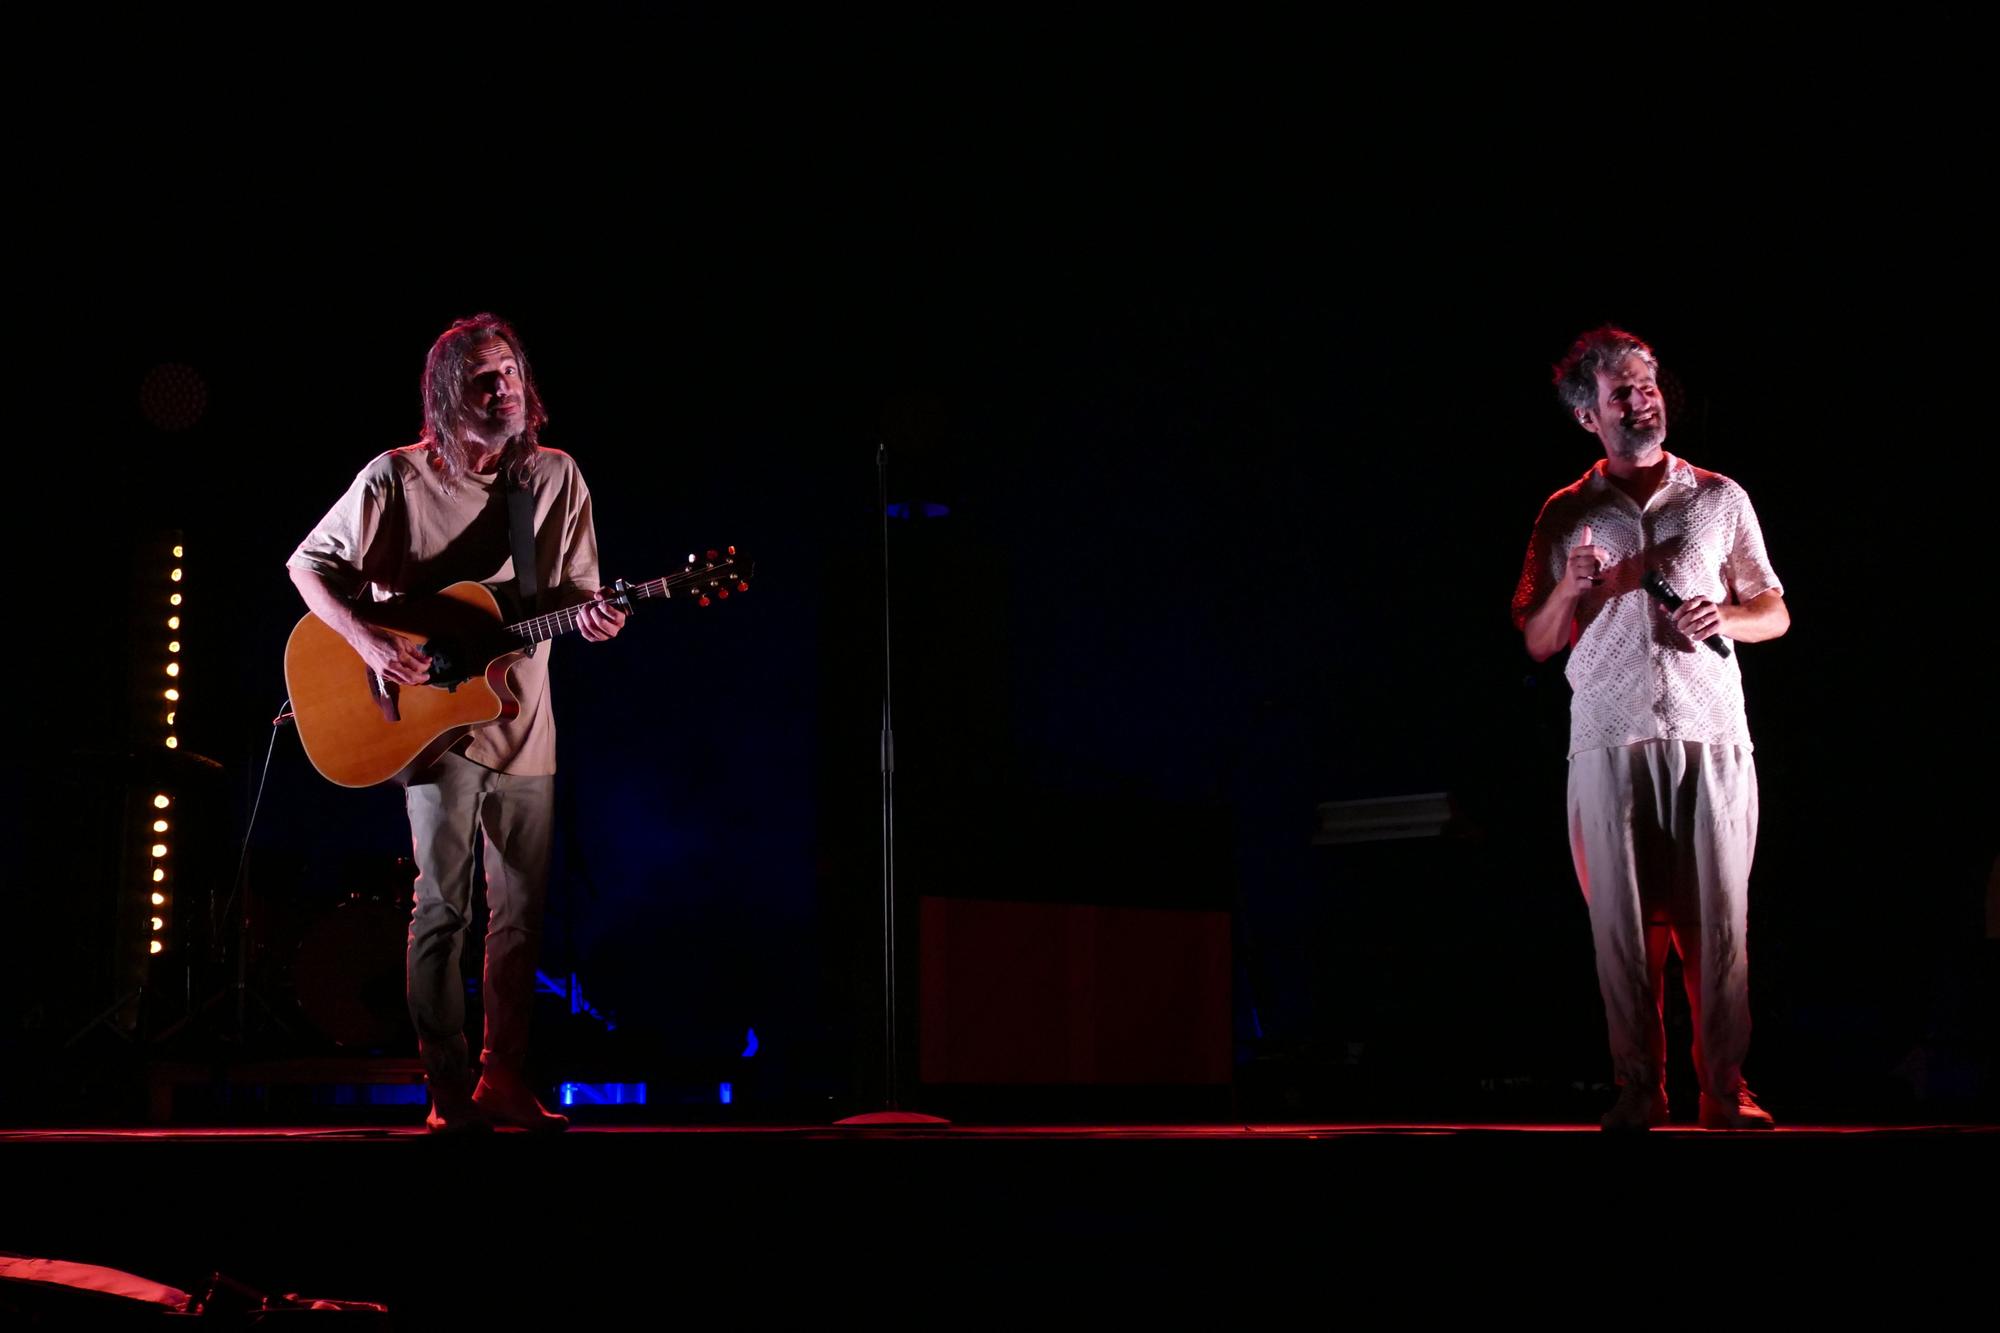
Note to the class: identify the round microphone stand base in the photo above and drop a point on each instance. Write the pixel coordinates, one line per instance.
(876, 1118)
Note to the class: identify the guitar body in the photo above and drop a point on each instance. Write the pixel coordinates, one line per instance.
(358, 729)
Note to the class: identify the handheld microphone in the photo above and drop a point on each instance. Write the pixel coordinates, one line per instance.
(1667, 597)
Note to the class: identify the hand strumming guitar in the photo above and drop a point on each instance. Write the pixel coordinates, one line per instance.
(389, 656)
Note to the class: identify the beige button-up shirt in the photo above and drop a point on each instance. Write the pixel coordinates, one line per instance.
(1634, 677)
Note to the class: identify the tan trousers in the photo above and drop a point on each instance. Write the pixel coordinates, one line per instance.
(1663, 833)
(450, 805)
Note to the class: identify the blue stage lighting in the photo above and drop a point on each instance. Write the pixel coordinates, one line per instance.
(603, 1094)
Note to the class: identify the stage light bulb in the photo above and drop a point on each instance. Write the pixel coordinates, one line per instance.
(175, 600)
(173, 668)
(159, 899)
(174, 646)
(161, 801)
(159, 850)
(157, 946)
(170, 719)
(158, 875)
(175, 576)
(177, 553)
(173, 622)
(159, 826)
(173, 744)
(173, 696)
(159, 924)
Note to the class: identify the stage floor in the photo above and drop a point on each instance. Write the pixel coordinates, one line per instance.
(1034, 1133)
(610, 1226)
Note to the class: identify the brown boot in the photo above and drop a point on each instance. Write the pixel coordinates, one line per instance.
(450, 1081)
(456, 1115)
(1739, 1110)
(1638, 1109)
(505, 1098)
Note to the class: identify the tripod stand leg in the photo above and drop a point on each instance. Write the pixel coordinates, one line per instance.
(103, 1019)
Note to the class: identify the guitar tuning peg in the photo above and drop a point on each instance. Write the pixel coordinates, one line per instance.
(732, 550)
(723, 593)
(711, 553)
(743, 585)
(704, 600)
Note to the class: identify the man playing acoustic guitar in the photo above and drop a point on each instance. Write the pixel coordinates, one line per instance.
(416, 520)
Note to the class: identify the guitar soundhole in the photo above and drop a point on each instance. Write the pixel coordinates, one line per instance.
(446, 671)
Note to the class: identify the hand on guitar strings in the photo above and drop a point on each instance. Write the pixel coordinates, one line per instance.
(392, 657)
(598, 620)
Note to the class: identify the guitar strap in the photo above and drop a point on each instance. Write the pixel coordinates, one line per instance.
(521, 529)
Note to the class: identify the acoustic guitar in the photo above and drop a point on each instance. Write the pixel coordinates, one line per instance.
(360, 729)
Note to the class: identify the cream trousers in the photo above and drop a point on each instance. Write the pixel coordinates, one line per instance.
(1663, 833)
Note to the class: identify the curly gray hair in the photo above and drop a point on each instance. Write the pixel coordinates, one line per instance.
(1600, 349)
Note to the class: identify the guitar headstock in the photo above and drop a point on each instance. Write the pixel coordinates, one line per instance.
(711, 576)
(715, 575)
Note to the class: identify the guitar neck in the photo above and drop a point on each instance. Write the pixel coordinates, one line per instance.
(689, 582)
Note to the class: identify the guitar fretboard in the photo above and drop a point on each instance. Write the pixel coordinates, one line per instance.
(554, 623)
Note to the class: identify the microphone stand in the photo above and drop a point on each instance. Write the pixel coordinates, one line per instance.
(892, 1113)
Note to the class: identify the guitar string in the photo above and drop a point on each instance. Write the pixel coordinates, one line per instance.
(548, 625)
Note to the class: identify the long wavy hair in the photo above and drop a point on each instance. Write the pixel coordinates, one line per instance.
(444, 401)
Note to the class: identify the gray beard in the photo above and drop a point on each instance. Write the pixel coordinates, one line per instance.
(1638, 444)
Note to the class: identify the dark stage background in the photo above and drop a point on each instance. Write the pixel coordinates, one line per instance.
(1235, 391)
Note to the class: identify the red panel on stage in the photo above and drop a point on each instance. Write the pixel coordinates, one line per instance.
(1059, 993)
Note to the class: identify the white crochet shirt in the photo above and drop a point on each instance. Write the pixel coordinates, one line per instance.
(1635, 678)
